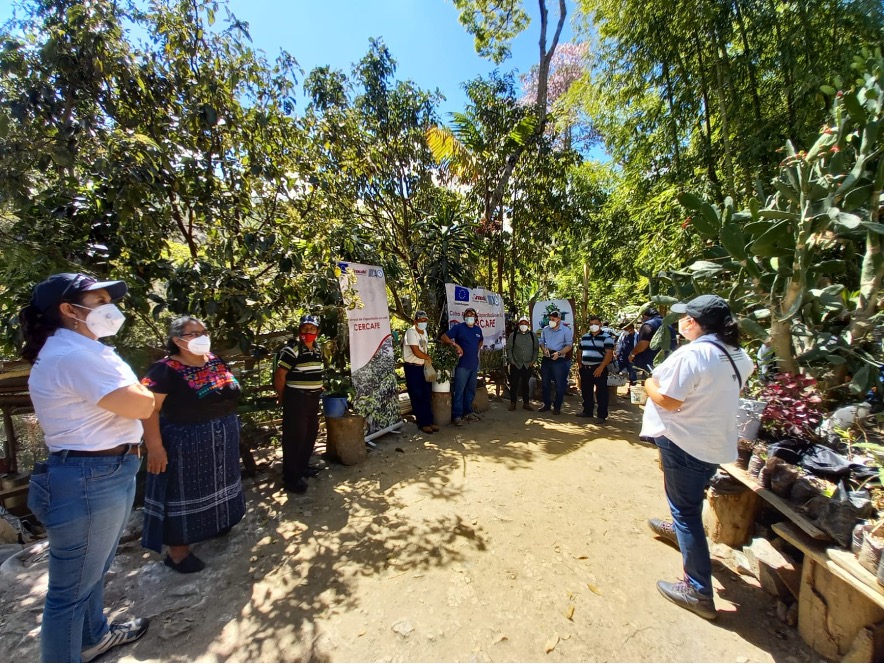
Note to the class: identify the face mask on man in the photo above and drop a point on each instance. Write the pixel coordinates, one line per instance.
(523, 328)
(103, 321)
(422, 326)
(594, 328)
(554, 324)
(308, 337)
(200, 345)
(469, 320)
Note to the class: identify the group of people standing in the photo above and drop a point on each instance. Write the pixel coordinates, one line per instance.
(95, 412)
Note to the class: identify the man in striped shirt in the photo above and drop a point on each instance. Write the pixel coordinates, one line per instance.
(596, 353)
(298, 381)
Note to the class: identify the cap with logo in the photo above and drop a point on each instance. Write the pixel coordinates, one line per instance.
(309, 319)
(706, 309)
(63, 287)
(524, 318)
(554, 314)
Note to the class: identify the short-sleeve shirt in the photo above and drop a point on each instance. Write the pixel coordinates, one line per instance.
(470, 340)
(305, 368)
(700, 375)
(594, 347)
(71, 375)
(194, 394)
(556, 339)
(413, 338)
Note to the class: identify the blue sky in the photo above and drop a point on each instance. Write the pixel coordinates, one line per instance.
(424, 36)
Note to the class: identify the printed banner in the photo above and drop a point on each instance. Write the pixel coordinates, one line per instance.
(540, 314)
(372, 363)
(489, 310)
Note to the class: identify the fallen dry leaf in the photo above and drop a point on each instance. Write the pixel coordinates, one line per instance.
(499, 638)
(362, 632)
(594, 588)
(551, 643)
(581, 557)
(569, 612)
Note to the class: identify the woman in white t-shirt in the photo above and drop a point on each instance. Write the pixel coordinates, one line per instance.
(691, 414)
(414, 355)
(90, 405)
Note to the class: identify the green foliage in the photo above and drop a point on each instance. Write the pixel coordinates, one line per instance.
(444, 360)
(493, 24)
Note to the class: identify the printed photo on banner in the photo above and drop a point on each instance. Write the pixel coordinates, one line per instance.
(489, 311)
(372, 361)
(540, 313)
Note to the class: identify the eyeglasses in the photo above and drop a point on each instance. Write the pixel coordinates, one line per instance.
(194, 335)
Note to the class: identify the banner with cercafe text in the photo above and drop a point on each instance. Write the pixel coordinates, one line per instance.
(489, 311)
(372, 362)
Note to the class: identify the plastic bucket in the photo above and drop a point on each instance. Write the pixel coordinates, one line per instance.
(637, 395)
(334, 406)
(749, 418)
(441, 387)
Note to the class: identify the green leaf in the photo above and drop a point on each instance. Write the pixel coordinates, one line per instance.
(733, 241)
(862, 380)
(858, 197)
(752, 328)
(828, 90)
(778, 214)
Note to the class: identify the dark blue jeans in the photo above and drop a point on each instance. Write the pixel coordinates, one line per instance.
(594, 389)
(419, 392)
(554, 370)
(685, 478)
(464, 392)
(84, 502)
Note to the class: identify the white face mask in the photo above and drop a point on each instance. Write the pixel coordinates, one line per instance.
(554, 323)
(469, 320)
(200, 345)
(103, 321)
(422, 326)
(594, 328)
(523, 328)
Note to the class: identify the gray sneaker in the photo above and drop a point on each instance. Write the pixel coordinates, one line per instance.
(458, 422)
(664, 529)
(118, 634)
(687, 597)
(472, 417)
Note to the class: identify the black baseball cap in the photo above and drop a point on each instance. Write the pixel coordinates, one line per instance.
(705, 309)
(420, 313)
(554, 313)
(62, 287)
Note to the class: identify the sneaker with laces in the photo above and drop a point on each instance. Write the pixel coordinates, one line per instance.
(118, 634)
(687, 597)
(457, 421)
(664, 530)
(472, 417)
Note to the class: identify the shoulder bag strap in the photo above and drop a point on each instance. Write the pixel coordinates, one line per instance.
(730, 359)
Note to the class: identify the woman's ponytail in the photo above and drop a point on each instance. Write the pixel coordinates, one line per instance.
(36, 328)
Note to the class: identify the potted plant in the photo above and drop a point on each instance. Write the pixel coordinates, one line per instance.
(444, 360)
(338, 394)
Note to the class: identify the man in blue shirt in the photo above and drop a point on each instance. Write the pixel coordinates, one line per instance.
(555, 343)
(466, 339)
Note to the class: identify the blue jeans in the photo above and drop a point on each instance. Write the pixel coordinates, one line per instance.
(464, 392)
(84, 502)
(685, 478)
(554, 370)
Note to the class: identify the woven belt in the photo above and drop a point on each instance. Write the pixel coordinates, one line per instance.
(133, 448)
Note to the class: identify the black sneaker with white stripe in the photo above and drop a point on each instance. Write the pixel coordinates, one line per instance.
(118, 634)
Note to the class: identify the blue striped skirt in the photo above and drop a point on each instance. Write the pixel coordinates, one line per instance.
(200, 493)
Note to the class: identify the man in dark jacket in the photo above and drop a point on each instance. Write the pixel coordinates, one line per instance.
(643, 355)
(521, 354)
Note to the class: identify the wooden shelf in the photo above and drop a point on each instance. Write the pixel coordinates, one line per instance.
(783, 506)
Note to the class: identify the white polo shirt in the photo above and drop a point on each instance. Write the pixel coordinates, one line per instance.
(701, 376)
(71, 375)
(413, 338)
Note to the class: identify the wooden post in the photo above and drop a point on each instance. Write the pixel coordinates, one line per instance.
(729, 519)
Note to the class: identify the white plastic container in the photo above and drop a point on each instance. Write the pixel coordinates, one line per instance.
(749, 418)
(637, 395)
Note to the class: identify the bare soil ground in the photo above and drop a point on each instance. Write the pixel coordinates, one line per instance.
(518, 538)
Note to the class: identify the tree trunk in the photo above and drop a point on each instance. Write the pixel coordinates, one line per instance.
(725, 123)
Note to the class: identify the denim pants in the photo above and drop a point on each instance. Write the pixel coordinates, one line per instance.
(685, 478)
(594, 389)
(84, 503)
(420, 393)
(464, 392)
(554, 370)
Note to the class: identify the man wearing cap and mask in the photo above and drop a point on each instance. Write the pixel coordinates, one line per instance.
(298, 380)
(642, 356)
(556, 341)
(466, 338)
(415, 356)
(596, 353)
(521, 354)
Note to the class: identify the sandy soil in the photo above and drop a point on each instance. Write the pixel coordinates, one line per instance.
(518, 538)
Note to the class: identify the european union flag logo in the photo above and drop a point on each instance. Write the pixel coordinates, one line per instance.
(461, 294)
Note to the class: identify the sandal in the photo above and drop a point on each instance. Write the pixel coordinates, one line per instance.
(427, 429)
(188, 565)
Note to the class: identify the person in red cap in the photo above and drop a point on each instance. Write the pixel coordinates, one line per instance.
(90, 405)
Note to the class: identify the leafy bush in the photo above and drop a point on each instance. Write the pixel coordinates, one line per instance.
(444, 360)
(792, 406)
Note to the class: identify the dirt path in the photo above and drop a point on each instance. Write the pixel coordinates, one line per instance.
(496, 542)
